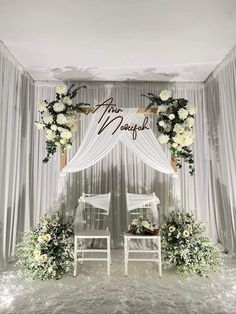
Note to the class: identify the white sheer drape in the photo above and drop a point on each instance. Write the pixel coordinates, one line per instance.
(28, 187)
(135, 201)
(101, 201)
(95, 146)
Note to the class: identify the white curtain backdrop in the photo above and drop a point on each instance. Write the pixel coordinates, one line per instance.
(29, 188)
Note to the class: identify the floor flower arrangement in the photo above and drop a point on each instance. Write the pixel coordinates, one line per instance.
(185, 247)
(46, 252)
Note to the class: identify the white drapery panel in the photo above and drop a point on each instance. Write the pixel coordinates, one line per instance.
(220, 93)
(95, 146)
(135, 201)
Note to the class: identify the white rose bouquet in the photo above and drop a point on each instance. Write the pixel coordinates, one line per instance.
(142, 226)
(58, 119)
(175, 121)
(46, 252)
(185, 247)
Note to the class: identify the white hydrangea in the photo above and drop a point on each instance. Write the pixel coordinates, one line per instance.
(190, 122)
(161, 123)
(161, 108)
(165, 94)
(183, 113)
(61, 119)
(39, 125)
(58, 107)
(47, 118)
(67, 101)
(61, 89)
(163, 138)
(178, 128)
(42, 106)
(191, 108)
(179, 139)
(171, 116)
(66, 134)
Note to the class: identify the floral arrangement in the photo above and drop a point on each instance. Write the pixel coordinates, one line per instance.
(175, 123)
(58, 119)
(142, 226)
(46, 252)
(185, 247)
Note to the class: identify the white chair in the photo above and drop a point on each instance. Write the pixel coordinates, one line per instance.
(92, 213)
(146, 209)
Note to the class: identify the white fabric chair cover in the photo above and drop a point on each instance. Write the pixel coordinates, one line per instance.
(139, 200)
(101, 201)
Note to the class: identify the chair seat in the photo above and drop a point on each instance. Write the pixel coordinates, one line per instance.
(140, 236)
(93, 233)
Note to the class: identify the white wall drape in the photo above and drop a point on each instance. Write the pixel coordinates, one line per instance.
(28, 187)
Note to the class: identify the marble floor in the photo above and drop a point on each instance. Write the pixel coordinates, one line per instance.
(141, 292)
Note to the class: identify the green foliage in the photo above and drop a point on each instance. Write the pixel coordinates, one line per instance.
(46, 252)
(175, 124)
(185, 247)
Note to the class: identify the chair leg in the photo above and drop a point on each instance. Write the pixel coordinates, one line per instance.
(82, 255)
(126, 255)
(159, 257)
(75, 256)
(108, 256)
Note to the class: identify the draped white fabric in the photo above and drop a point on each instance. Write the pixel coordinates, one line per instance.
(28, 187)
(95, 146)
(135, 201)
(101, 201)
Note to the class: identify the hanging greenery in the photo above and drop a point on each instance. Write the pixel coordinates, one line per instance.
(175, 120)
(58, 119)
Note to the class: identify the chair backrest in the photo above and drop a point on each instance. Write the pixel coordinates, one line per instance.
(142, 205)
(93, 216)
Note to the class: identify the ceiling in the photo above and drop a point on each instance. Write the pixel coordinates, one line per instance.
(153, 40)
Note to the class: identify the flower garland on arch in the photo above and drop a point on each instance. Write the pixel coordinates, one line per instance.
(58, 119)
(175, 120)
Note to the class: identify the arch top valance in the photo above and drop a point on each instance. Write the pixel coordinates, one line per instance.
(124, 125)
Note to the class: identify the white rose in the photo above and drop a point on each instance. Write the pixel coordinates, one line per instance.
(66, 134)
(39, 125)
(58, 107)
(61, 119)
(161, 108)
(174, 145)
(48, 119)
(68, 146)
(67, 101)
(183, 113)
(47, 237)
(41, 239)
(63, 141)
(161, 123)
(185, 234)
(135, 222)
(145, 224)
(50, 136)
(190, 121)
(191, 109)
(61, 89)
(165, 94)
(60, 129)
(188, 141)
(53, 127)
(171, 116)
(172, 228)
(163, 138)
(42, 106)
